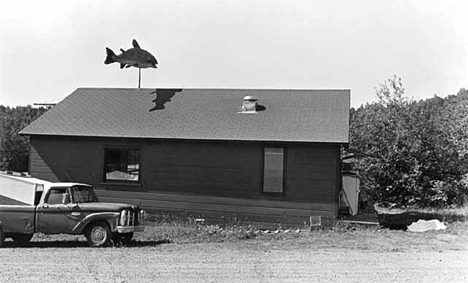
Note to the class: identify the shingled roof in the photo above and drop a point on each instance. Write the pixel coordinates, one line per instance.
(199, 114)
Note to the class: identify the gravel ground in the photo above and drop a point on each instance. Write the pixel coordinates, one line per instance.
(244, 261)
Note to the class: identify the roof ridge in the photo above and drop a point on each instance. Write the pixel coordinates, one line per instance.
(215, 88)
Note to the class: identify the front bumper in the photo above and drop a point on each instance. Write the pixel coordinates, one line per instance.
(130, 229)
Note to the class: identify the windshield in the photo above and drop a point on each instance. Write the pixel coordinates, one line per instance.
(83, 194)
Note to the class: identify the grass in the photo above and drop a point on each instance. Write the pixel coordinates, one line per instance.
(455, 237)
(343, 235)
(172, 230)
(449, 213)
(400, 218)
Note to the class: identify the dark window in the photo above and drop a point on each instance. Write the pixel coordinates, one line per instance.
(57, 196)
(273, 170)
(122, 165)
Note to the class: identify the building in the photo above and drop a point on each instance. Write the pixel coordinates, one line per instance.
(269, 156)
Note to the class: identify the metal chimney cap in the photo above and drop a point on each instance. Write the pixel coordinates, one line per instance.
(250, 98)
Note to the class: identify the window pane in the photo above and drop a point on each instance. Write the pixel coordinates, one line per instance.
(273, 170)
(122, 164)
(82, 194)
(56, 196)
(133, 166)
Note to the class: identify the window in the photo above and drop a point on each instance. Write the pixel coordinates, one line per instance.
(273, 170)
(83, 194)
(58, 196)
(122, 165)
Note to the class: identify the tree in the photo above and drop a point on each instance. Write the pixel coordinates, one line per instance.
(14, 149)
(419, 152)
(391, 92)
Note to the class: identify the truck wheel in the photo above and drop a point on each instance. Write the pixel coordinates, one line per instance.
(21, 239)
(122, 239)
(98, 234)
(2, 237)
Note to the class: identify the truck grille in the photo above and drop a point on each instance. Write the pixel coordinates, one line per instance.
(129, 218)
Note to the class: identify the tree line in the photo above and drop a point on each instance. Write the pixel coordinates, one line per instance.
(14, 149)
(416, 152)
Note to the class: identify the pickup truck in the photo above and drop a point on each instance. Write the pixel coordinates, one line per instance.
(29, 205)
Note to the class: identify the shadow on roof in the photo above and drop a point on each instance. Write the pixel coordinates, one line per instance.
(163, 95)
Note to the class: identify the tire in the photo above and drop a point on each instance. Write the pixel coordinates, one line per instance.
(98, 234)
(122, 239)
(2, 237)
(22, 239)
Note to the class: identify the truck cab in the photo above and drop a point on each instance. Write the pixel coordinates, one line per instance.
(29, 205)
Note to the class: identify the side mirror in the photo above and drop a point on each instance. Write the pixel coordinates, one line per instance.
(65, 198)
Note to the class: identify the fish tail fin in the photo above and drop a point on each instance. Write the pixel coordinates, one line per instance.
(110, 56)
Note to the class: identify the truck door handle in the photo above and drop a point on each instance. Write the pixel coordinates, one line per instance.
(45, 206)
(75, 214)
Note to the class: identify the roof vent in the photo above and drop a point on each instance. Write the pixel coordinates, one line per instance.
(249, 105)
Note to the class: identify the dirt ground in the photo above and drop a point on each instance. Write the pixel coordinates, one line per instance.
(243, 261)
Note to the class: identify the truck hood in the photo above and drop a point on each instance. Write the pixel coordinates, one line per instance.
(106, 206)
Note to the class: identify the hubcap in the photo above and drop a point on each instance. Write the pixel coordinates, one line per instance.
(98, 235)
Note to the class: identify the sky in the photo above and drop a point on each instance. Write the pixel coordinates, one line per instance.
(50, 48)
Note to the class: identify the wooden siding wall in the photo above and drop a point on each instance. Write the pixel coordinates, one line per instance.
(65, 159)
(219, 209)
(222, 172)
(216, 169)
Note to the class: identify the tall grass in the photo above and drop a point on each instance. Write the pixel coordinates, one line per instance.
(176, 229)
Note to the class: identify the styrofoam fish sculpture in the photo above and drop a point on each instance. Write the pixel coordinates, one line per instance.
(133, 57)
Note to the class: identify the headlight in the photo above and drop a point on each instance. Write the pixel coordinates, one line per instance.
(124, 217)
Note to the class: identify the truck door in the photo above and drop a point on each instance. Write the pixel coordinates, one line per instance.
(53, 216)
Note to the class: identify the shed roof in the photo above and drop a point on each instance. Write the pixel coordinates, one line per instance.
(199, 114)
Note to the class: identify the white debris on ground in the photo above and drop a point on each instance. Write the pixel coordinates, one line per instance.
(215, 229)
(426, 225)
(277, 231)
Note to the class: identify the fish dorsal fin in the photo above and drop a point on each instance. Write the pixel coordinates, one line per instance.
(135, 44)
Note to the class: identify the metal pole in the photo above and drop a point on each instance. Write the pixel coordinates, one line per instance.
(139, 77)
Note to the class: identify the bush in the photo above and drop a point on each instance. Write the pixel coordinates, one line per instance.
(419, 149)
